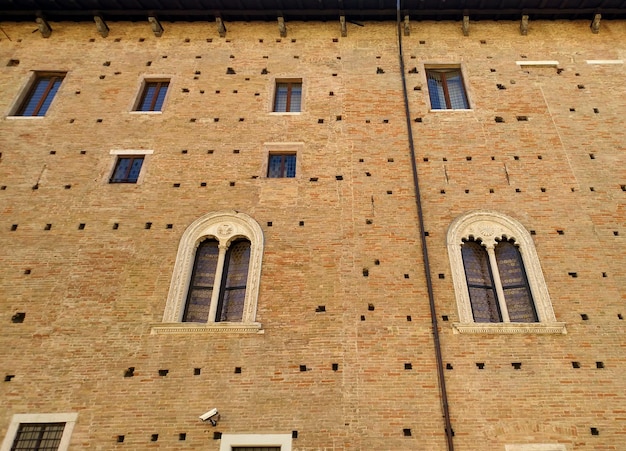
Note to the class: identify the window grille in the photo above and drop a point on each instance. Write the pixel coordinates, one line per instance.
(153, 96)
(281, 166)
(288, 98)
(38, 437)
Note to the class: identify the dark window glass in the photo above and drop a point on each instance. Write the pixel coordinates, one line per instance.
(288, 97)
(446, 89)
(519, 301)
(38, 437)
(153, 96)
(235, 277)
(480, 283)
(202, 280)
(282, 165)
(41, 95)
(127, 169)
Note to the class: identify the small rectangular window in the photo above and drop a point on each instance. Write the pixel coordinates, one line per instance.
(152, 96)
(38, 437)
(288, 98)
(282, 165)
(446, 89)
(41, 94)
(127, 169)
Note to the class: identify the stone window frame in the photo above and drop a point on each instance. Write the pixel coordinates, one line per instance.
(487, 226)
(19, 418)
(260, 440)
(225, 227)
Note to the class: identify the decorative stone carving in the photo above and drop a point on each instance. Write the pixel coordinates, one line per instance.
(487, 226)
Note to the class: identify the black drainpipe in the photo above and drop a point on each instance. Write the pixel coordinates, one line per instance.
(420, 216)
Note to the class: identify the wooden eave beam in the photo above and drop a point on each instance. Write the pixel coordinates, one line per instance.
(101, 26)
(157, 29)
(221, 28)
(44, 27)
(523, 26)
(595, 23)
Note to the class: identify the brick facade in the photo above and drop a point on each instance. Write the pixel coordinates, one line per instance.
(342, 234)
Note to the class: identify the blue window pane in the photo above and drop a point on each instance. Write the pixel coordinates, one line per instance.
(290, 166)
(153, 96)
(296, 96)
(41, 96)
(280, 104)
(456, 92)
(280, 166)
(437, 99)
(127, 170)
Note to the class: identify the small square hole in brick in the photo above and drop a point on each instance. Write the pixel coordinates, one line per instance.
(408, 366)
(581, 86)
(599, 365)
(27, 271)
(320, 121)
(13, 227)
(595, 431)
(368, 221)
(406, 432)
(480, 365)
(516, 365)
(120, 439)
(499, 119)
(596, 111)
(182, 436)
(217, 436)
(406, 276)
(301, 223)
(615, 233)
(116, 225)
(339, 177)
(620, 316)
(584, 316)
(371, 307)
(543, 190)
(197, 371)
(445, 318)
(604, 274)
(522, 118)
(176, 185)
(163, 373)
(442, 276)
(449, 366)
(81, 226)
(9, 377)
(443, 191)
(294, 434)
(232, 183)
(130, 372)
(18, 318)
(366, 272)
(169, 226)
(572, 274)
(237, 370)
(409, 318)
(320, 309)
(48, 227)
(575, 364)
(335, 366)
(154, 437)
(362, 317)
(533, 232)
(302, 368)
(389, 160)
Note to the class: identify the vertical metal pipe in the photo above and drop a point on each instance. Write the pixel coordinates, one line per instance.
(420, 216)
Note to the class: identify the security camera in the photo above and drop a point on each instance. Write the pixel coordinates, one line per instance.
(211, 416)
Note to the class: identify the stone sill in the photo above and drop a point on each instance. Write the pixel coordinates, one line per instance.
(201, 328)
(509, 328)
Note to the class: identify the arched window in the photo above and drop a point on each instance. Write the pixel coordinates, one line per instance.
(498, 282)
(216, 276)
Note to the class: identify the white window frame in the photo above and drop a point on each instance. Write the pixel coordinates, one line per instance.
(487, 226)
(225, 227)
(230, 440)
(19, 418)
